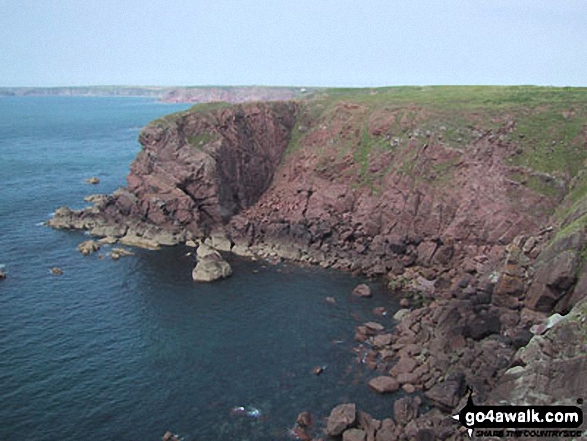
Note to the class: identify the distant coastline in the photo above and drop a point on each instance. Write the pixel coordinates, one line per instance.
(196, 94)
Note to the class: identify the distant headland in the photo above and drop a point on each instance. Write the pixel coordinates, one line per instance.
(196, 94)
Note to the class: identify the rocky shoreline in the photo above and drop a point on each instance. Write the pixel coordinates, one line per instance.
(482, 259)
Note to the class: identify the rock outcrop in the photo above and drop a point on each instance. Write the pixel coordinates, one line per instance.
(476, 214)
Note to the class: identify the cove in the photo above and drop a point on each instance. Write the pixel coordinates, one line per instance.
(131, 348)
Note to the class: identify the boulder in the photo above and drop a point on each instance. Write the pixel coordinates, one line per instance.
(211, 266)
(384, 384)
(362, 290)
(341, 418)
(354, 435)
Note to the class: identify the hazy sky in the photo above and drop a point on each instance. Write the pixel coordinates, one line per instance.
(297, 42)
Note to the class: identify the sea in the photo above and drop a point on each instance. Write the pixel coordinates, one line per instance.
(132, 348)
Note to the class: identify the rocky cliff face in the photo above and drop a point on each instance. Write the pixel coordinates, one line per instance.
(471, 202)
(195, 171)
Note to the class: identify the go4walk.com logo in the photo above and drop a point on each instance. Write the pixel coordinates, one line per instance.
(521, 421)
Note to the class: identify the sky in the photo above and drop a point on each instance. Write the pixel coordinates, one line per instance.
(359, 43)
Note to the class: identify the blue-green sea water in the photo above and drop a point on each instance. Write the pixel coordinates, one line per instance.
(128, 349)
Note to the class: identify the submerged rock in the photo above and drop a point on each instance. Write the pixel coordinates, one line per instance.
(56, 271)
(362, 290)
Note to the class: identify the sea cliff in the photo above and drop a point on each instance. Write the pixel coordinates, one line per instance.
(470, 201)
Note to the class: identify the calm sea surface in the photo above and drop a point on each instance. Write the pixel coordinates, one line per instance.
(128, 349)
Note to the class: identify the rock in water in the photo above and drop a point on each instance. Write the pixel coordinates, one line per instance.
(88, 247)
(93, 180)
(2, 275)
(56, 271)
(362, 290)
(211, 266)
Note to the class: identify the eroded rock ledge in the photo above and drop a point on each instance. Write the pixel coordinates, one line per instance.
(441, 202)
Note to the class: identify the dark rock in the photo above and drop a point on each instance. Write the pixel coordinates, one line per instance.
(426, 435)
(341, 418)
(482, 325)
(521, 337)
(318, 370)
(301, 433)
(2, 275)
(305, 419)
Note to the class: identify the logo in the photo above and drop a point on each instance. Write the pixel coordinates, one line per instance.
(536, 421)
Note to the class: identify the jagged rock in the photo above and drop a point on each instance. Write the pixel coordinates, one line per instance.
(362, 290)
(211, 266)
(384, 384)
(341, 418)
(550, 366)
(88, 247)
